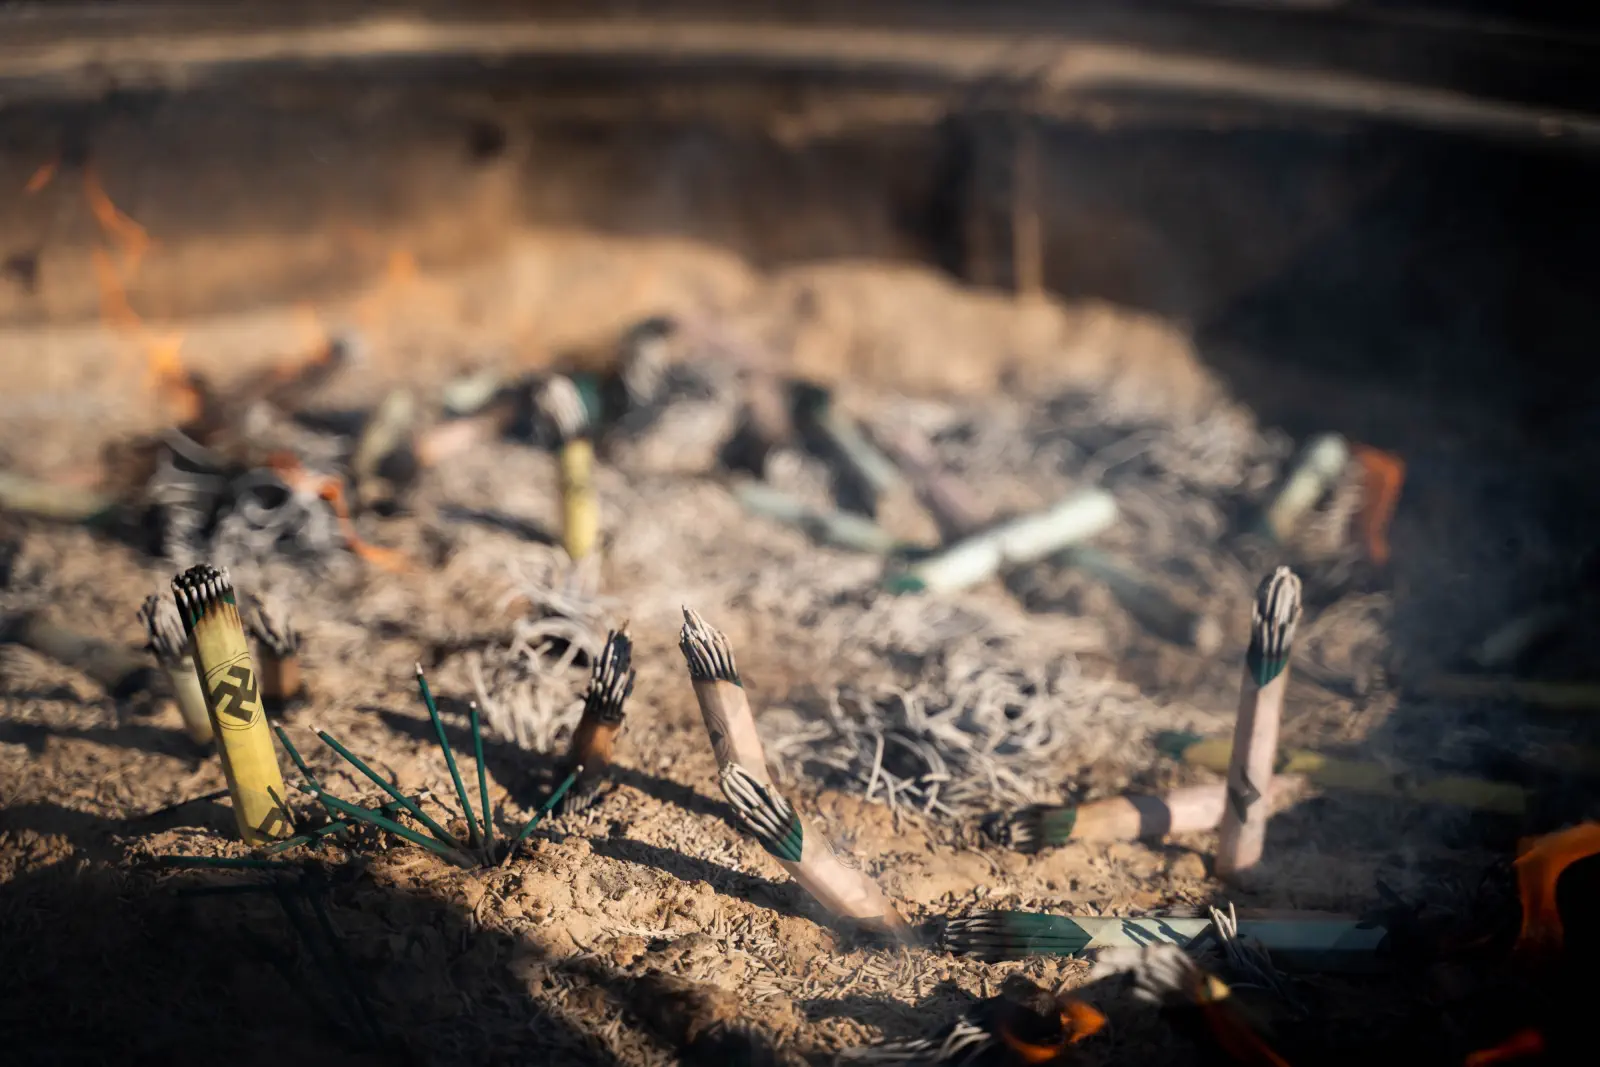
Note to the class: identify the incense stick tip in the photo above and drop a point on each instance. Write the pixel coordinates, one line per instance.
(200, 590)
(561, 405)
(610, 681)
(1273, 619)
(707, 652)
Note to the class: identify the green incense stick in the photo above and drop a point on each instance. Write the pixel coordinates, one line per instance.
(444, 836)
(449, 757)
(544, 809)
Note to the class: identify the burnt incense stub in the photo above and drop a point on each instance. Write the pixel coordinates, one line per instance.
(164, 630)
(604, 708)
(707, 651)
(1272, 624)
(201, 590)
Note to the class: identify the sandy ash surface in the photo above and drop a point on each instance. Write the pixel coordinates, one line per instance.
(623, 934)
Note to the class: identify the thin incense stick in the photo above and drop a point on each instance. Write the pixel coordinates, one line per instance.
(170, 646)
(1124, 818)
(836, 882)
(449, 757)
(1321, 943)
(445, 836)
(483, 779)
(1242, 835)
(562, 405)
(1371, 779)
(368, 816)
(210, 614)
(279, 643)
(544, 809)
(610, 684)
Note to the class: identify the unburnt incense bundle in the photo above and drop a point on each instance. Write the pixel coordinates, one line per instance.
(1312, 943)
(123, 672)
(610, 684)
(1124, 818)
(270, 624)
(1243, 832)
(210, 613)
(568, 418)
(1371, 779)
(169, 644)
(837, 883)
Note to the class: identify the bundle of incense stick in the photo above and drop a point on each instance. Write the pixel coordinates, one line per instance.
(837, 883)
(1371, 779)
(562, 406)
(1314, 472)
(593, 743)
(279, 644)
(1242, 835)
(123, 672)
(210, 613)
(1026, 539)
(1312, 943)
(170, 645)
(1124, 818)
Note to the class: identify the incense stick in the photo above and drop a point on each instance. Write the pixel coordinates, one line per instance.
(1242, 835)
(1310, 943)
(1124, 818)
(610, 684)
(1025, 539)
(562, 406)
(170, 646)
(544, 809)
(483, 779)
(836, 883)
(449, 756)
(279, 645)
(210, 614)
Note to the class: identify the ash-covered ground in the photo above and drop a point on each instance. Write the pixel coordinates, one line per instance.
(630, 932)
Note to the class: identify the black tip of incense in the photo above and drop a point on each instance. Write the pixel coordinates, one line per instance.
(163, 627)
(1272, 624)
(271, 624)
(611, 680)
(199, 590)
(562, 406)
(707, 651)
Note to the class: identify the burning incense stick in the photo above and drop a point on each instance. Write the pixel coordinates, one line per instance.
(563, 407)
(170, 646)
(1124, 818)
(121, 671)
(278, 643)
(1330, 944)
(1243, 833)
(837, 883)
(1371, 779)
(610, 684)
(1021, 540)
(210, 614)
(1314, 472)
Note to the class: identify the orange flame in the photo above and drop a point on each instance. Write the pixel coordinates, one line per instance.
(164, 369)
(1539, 867)
(331, 489)
(1078, 1021)
(1382, 475)
(133, 238)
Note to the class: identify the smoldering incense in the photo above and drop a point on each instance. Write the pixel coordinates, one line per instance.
(1242, 835)
(170, 646)
(210, 614)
